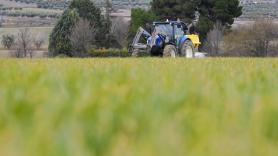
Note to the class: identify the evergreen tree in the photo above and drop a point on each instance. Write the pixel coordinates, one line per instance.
(223, 11)
(140, 18)
(59, 41)
(172, 9)
(87, 10)
(211, 11)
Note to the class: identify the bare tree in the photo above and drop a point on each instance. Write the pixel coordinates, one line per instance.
(120, 30)
(23, 46)
(38, 41)
(258, 39)
(237, 42)
(82, 37)
(214, 39)
(263, 32)
(17, 52)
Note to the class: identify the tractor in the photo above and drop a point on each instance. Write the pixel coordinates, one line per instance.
(168, 39)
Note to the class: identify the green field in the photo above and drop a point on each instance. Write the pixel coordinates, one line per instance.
(139, 107)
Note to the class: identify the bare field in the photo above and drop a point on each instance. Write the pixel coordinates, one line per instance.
(42, 31)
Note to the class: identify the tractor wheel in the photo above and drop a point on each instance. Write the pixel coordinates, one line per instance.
(187, 49)
(156, 51)
(169, 51)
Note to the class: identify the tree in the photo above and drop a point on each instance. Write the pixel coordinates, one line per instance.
(87, 10)
(258, 39)
(23, 46)
(172, 9)
(223, 11)
(214, 39)
(263, 33)
(38, 41)
(105, 41)
(8, 41)
(82, 37)
(119, 30)
(209, 12)
(140, 17)
(60, 42)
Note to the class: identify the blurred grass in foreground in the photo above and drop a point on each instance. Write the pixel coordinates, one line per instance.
(140, 107)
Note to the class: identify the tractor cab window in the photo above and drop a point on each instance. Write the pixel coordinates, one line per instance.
(179, 31)
(164, 29)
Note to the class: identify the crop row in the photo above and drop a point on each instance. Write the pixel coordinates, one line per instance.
(149, 106)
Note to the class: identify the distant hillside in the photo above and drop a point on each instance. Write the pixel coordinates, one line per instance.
(126, 3)
(251, 8)
(61, 4)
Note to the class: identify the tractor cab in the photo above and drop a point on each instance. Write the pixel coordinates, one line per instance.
(171, 31)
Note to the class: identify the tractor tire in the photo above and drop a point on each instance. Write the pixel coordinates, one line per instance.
(187, 49)
(170, 51)
(156, 51)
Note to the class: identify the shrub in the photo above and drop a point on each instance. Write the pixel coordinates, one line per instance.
(8, 41)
